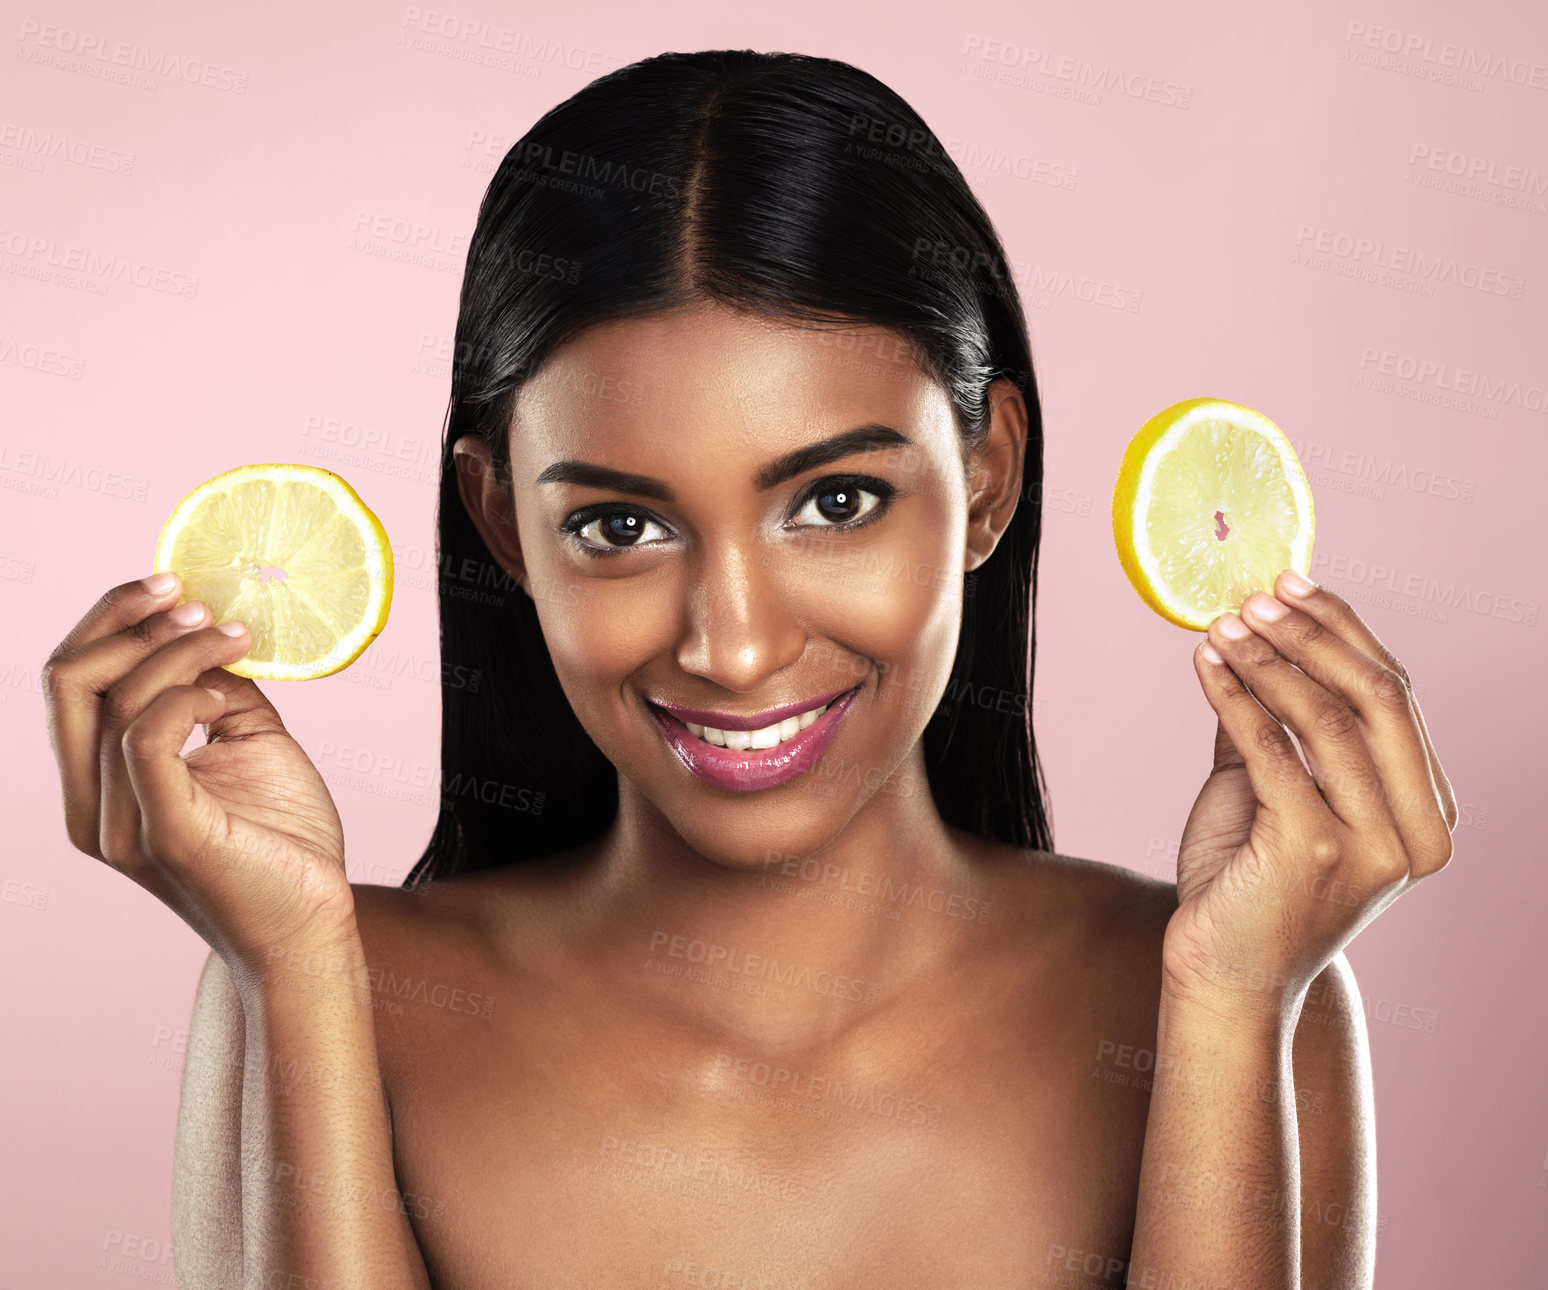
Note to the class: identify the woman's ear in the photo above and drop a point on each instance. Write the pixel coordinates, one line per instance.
(488, 503)
(994, 473)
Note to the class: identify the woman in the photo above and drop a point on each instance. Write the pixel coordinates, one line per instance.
(740, 955)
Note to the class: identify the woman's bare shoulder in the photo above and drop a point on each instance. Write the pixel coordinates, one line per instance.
(500, 920)
(1084, 898)
(470, 908)
(1089, 936)
(1112, 887)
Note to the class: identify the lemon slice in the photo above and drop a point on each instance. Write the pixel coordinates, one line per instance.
(294, 553)
(1211, 504)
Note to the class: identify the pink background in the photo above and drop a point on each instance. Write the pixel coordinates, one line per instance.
(1296, 212)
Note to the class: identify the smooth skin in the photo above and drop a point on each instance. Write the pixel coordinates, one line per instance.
(947, 1083)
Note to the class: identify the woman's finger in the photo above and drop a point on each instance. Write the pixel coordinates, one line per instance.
(1391, 739)
(1330, 731)
(1280, 781)
(122, 607)
(180, 662)
(174, 809)
(1334, 613)
(75, 678)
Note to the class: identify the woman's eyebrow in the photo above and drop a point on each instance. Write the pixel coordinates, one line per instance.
(866, 438)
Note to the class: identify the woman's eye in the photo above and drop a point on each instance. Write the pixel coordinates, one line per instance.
(616, 530)
(837, 502)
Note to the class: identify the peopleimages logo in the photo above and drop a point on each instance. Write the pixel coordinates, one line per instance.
(1484, 170)
(1527, 396)
(1478, 178)
(990, 159)
(1461, 59)
(33, 255)
(36, 467)
(734, 960)
(1374, 253)
(1359, 468)
(48, 146)
(476, 36)
(120, 60)
(40, 358)
(1024, 65)
(1418, 594)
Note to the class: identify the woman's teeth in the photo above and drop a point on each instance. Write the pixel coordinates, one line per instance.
(768, 737)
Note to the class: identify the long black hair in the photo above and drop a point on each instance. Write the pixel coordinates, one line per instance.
(783, 184)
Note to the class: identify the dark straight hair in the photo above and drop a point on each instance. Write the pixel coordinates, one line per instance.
(791, 186)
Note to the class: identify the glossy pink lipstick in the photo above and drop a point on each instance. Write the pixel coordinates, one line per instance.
(753, 768)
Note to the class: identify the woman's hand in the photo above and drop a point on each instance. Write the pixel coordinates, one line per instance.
(240, 837)
(1279, 868)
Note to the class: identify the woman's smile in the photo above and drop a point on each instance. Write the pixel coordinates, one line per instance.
(758, 751)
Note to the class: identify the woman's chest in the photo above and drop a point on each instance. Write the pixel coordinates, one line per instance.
(548, 1150)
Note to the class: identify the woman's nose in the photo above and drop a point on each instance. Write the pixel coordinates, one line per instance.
(738, 625)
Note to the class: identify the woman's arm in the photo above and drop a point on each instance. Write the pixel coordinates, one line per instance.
(1335, 1112)
(320, 1201)
(1259, 1150)
(207, 1157)
(241, 839)
(283, 1167)
(1282, 862)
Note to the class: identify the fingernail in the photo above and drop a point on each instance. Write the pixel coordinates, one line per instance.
(189, 615)
(1211, 653)
(1264, 606)
(231, 629)
(1295, 584)
(1233, 628)
(158, 584)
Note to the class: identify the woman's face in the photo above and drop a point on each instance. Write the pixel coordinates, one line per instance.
(723, 513)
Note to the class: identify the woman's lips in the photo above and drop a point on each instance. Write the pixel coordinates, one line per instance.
(743, 771)
(726, 721)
